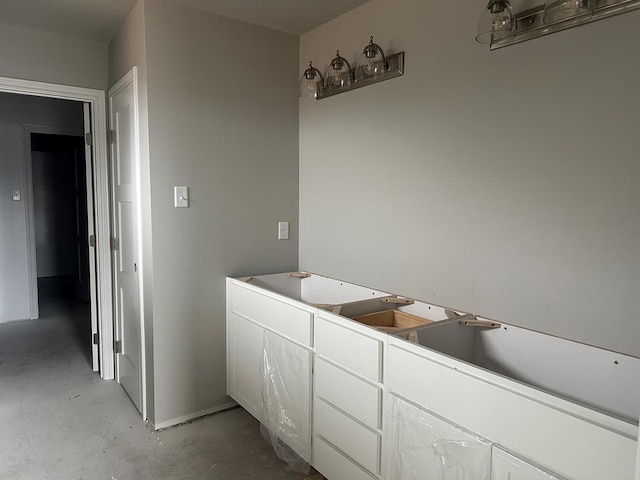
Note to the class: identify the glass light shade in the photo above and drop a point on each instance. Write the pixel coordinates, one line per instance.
(567, 11)
(310, 82)
(339, 73)
(371, 63)
(496, 22)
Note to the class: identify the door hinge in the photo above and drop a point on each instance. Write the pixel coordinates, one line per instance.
(114, 243)
(96, 339)
(117, 346)
(111, 136)
(92, 240)
(88, 138)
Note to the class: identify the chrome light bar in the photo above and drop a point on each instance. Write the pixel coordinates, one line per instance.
(395, 68)
(529, 24)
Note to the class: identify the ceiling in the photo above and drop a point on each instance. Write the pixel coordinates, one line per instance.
(99, 20)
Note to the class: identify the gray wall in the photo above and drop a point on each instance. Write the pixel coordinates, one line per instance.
(41, 56)
(223, 120)
(501, 183)
(126, 50)
(16, 110)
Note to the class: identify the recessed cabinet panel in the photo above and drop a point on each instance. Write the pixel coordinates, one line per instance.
(354, 350)
(286, 319)
(354, 396)
(335, 466)
(346, 434)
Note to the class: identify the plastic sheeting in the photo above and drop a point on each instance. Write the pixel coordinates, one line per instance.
(423, 446)
(286, 397)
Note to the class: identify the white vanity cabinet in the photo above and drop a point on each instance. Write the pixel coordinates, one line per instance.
(545, 408)
(558, 406)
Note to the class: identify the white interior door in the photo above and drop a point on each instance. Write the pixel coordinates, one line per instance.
(125, 232)
(93, 287)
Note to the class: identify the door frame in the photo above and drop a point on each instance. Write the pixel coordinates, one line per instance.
(131, 78)
(97, 100)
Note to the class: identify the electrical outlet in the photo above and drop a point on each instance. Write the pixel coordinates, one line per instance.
(16, 195)
(283, 230)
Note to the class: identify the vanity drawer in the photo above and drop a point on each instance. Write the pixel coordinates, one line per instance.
(349, 436)
(351, 394)
(279, 315)
(505, 466)
(335, 466)
(350, 348)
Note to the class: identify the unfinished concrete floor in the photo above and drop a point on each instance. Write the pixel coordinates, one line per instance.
(60, 421)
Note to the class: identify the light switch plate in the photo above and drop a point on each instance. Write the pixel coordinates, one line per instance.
(283, 230)
(181, 197)
(16, 195)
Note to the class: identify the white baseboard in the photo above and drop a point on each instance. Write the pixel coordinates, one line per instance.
(173, 422)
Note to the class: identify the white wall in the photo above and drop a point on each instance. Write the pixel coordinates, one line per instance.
(223, 120)
(16, 110)
(500, 183)
(126, 50)
(45, 57)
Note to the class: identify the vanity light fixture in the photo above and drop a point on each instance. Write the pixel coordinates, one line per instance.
(339, 73)
(546, 18)
(311, 82)
(372, 67)
(372, 62)
(496, 22)
(567, 10)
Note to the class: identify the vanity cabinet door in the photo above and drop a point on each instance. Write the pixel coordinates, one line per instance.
(246, 344)
(421, 446)
(285, 375)
(269, 362)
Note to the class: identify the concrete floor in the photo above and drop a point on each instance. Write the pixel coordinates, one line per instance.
(60, 421)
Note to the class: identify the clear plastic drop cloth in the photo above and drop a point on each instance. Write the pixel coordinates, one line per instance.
(286, 398)
(423, 446)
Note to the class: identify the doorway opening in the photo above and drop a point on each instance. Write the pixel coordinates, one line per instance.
(61, 231)
(17, 299)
